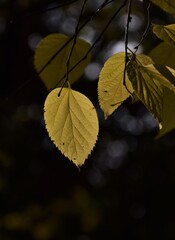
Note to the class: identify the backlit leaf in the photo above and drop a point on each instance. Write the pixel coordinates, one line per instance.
(143, 60)
(55, 45)
(162, 74)
(72, 123)
(166, 33)
(168, 115)
(148, 81)
(167, 53)
(111, 91)
(164, 54)
(148, 89)
(167, 77)
(166, 5)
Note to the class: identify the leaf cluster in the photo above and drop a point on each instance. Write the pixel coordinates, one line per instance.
(70, 117)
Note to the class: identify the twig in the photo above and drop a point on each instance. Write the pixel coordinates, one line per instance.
(105, 3)
(75, 38)
(96, 41)
(129, 18)
(70, 39)
(73, 45)
(42, 11)
(147, 27)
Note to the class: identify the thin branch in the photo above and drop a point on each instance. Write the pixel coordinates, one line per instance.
(129, 18)
(75, 38)
(95, 42)
(73, 45)
(105, 3)
(36, 12)
(147, 27)
(69, 40)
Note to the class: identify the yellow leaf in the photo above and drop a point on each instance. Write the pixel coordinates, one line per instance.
(167, 53)
(164, 54)
(165, 75)
(143, 60)
(72, 123)
(148, 81)
(147, 88)
(111, 91)
(166, 5)
(168, 118)
(166, 33)
(56, 45)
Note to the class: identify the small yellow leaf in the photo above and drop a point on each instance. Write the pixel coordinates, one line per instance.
(54, 47)
(111, 90)
(165, 33)
(72, 123)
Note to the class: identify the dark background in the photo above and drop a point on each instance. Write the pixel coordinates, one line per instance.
(126, 188)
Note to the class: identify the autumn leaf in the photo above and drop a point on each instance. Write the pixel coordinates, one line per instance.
(167, 5)
(111, 90)
(72, 123)
(167, 53)
(168, 112)
(147, 89)
(165, 33)
(51, 56)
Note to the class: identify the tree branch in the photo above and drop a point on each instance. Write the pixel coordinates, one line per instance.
(96, 41)
(36, 12)
(105, 3)
(70, 39)
(129, 18)
(147, 27)
(73, 45)
(75, 38)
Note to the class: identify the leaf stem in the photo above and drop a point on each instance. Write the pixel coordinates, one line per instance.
(129, 18)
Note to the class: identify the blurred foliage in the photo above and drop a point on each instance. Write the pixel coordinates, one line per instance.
(126, 189)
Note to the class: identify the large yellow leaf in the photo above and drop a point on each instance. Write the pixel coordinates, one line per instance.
(55, 45)
(72, 123)
(166, 33)
(166, 5)
(111, 91)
